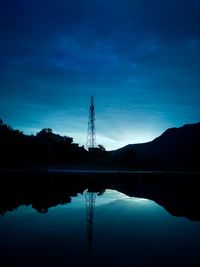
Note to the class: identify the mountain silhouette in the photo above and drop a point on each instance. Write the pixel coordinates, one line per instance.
(175, 149)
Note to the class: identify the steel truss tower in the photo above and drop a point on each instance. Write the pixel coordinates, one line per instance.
(90, 204)
(91, 134)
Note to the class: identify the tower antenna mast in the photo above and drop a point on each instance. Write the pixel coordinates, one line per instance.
(91, 134)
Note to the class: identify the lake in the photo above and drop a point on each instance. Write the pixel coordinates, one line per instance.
(98, 229)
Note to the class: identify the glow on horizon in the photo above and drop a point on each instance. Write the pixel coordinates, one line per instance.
(110, 196)
(112, 131)
(114, 128)
(109, 143)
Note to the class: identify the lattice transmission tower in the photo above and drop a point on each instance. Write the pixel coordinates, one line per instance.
(91, 134)
(90, 196)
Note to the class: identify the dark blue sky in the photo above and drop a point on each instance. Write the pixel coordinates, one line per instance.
(139, 58)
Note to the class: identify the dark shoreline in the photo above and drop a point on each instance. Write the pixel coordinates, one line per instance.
(177, 192)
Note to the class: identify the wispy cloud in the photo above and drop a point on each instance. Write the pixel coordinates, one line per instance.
(140, 59)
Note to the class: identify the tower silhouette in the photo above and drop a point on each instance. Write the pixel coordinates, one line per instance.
(91, 134)
(90, 196)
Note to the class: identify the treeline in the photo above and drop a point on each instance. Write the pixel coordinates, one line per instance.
(44, 148)
(176, 149)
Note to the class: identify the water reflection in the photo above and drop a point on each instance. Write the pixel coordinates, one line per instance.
(90, 205)
(177, 193)
(54, 220)
(117, 231)
(102, 199)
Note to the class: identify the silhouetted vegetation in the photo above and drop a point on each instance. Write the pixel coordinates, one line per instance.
(176, 149)
(178, 193)
(46, 148)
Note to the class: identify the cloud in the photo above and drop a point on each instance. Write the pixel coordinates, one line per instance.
(139, 58)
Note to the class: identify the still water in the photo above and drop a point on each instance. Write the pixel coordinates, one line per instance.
(121, 231)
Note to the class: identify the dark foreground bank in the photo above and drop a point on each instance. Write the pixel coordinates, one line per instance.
(177, 192)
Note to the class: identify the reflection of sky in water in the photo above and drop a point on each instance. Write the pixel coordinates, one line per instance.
(107, 198)
(125, 230)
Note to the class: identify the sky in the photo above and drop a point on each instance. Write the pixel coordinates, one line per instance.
(140, 59)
